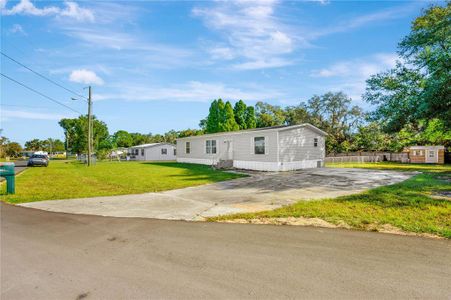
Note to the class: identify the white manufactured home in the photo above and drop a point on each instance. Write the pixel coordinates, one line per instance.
(280, 148)
(153, 152)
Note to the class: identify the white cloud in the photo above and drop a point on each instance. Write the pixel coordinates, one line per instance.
(251, 32)
(350, 76)
(193, 91)
(17, 28)
(18, 114)
(26, 7)
(363, 20)
(360, 68)
(74, 11)
(85, 76)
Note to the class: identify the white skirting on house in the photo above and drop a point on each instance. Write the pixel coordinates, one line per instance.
(256, 165)
(276, 166)
(200, 161)
(297, 165)
(259, 165)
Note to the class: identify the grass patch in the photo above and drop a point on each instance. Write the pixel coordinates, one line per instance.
(407, 205)
(71, 179)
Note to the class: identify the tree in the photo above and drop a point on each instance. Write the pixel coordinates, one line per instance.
(333, 113)
(297, 114)
(52, 145)
(34, 145)
(122, 138)
(268, 115)
(228, 119)
(3, 142)
(370, 138)
(189, 132)
(68, 126)
(240, 114)
(13, 149)
(139, 138)
(420, 87)
(78, 131)
(251, 121)
(170, 136)
(212, 123)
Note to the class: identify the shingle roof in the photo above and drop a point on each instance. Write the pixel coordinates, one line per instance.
(279, 128)
(151, 145)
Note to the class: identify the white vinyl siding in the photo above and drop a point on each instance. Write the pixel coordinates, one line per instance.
(299, 145)
(284, 149)
(155, 153)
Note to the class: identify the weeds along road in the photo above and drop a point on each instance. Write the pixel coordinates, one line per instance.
(48, 255)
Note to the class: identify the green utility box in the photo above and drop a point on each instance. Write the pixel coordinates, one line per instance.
(7, 171)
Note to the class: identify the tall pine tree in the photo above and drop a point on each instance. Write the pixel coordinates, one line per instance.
(229, 123)
(251, 121)
(240, 114)
(213, 118)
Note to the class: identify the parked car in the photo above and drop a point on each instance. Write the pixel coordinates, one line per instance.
(38, 160)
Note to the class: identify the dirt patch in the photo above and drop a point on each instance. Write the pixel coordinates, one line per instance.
(442, 195)
(300, 221)
(317, 222)
(388, 228)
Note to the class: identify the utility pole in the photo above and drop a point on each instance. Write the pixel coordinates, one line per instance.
(89, 126)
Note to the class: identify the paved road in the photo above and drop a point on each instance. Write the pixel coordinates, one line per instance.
(19, 166)
(261, 191)
(48, 255)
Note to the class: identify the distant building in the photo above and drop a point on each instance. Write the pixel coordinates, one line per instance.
(426, 154)
(155, 152)
(279, 148)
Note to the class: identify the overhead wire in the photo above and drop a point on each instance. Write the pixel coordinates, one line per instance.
(39, 93)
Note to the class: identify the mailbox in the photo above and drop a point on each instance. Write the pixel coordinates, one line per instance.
(7, 171)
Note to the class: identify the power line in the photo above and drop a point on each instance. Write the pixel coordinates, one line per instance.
(43, 76)
(41, 94)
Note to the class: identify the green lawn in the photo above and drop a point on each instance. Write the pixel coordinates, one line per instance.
(407, 205)
(70, 179)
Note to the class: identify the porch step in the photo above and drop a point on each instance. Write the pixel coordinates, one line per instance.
(225, 164)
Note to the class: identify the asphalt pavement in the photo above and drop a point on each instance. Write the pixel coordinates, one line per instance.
(46, 255)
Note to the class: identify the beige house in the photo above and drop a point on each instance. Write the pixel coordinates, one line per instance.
(280, 148)
(153, 152)
(427, 154)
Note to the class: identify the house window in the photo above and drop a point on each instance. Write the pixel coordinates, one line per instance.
(431, 153)
(136, 151)
(315, 142)
(142, 152)
(187, 147)
(259, 145)
(175, 152)
(164, 151)
(210, 147)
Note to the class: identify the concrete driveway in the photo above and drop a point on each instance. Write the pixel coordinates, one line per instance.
(260, 191)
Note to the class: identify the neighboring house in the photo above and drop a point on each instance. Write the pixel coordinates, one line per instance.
(279, 148)
(427, 154)
(156, 151)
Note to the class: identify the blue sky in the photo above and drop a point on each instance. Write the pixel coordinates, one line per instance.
(156, 65)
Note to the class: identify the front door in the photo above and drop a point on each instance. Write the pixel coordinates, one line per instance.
(431, 156)
(229, 150)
